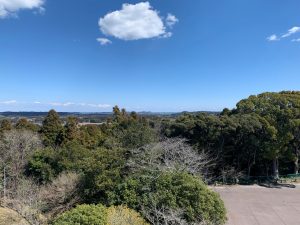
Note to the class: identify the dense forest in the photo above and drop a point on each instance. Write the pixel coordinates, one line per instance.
(137, 170)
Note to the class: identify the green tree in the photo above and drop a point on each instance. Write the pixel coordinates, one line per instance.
(167, 192)
(5, 125)
(83, 215)
(295, 143)
(103, 172)
(121, 215)
(71, 129)
(278, 109)
(24, 124)
(52, 129)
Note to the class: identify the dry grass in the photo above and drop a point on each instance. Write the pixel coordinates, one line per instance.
(10, 217)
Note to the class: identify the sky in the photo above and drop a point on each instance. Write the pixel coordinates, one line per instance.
(160, 55)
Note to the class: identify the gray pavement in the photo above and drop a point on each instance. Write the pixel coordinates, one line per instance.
(255, 205)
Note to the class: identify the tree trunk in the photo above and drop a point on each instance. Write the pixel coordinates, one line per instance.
(296, 166)
(275, 168)
(4, 185)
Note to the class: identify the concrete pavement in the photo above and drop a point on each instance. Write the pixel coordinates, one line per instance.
(255, 205)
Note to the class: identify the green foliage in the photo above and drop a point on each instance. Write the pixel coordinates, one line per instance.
(103, 172)
(43, 165)
(83, 215)
(52, 130)
(174, 191)
(24, 124)
(100, 215)
(121, 215)
(5, 125)
(91, 136)
(71, 129)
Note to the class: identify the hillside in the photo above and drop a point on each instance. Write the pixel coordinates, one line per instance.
(10, 217)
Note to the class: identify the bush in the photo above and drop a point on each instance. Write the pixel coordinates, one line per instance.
(164, 195)
(100, 215)
(83, 215)
(121, 215)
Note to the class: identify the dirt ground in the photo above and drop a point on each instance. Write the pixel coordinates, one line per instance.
(256, 205)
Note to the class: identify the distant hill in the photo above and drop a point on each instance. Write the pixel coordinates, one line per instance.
(92, 117)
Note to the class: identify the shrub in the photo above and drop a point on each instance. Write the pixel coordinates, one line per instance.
(167, 194)
(83, 215)
(100, 215)
(121, 215)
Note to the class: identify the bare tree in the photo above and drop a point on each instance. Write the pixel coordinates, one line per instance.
(25, 200)
(15, 149)
(166, 216)
(60, 195)
(170, 155)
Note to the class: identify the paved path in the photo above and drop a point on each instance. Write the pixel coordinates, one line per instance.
(255, 205)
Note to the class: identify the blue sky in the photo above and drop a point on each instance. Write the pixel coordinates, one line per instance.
(173, 56)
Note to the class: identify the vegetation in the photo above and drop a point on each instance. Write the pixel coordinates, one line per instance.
(100, 215)
(83, 215)
(254, 139)
(161, 195)
(121, 215)
(145, 170)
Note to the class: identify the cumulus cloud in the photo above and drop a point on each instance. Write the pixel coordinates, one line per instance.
(11, 7)
(171, 20)
(289, 33)
(104, 41)
(273, 37)
(134, 22)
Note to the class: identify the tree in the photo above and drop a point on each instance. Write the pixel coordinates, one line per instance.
(71, 129)
(5, 125)
(16, 147)
(122, 215)
(61, 194)
(103, 172)
(174, 155)
(278, 109)
(83, 215)
(24, 124)
(52, 129)
(170, 192)
(295, 143)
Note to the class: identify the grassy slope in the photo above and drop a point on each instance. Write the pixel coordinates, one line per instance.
(10, 217)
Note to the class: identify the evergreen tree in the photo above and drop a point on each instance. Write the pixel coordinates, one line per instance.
(52, 129)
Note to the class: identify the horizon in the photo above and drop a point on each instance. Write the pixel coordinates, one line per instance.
(185, 56)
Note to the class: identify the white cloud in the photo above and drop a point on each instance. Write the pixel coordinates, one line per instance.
(104, 41)
(44, 106)
(11, 7)
(273, 38)
(10, 102)
(171, 20)
(67, 104)
(134, 22)
(291, 31)
(296, 40)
